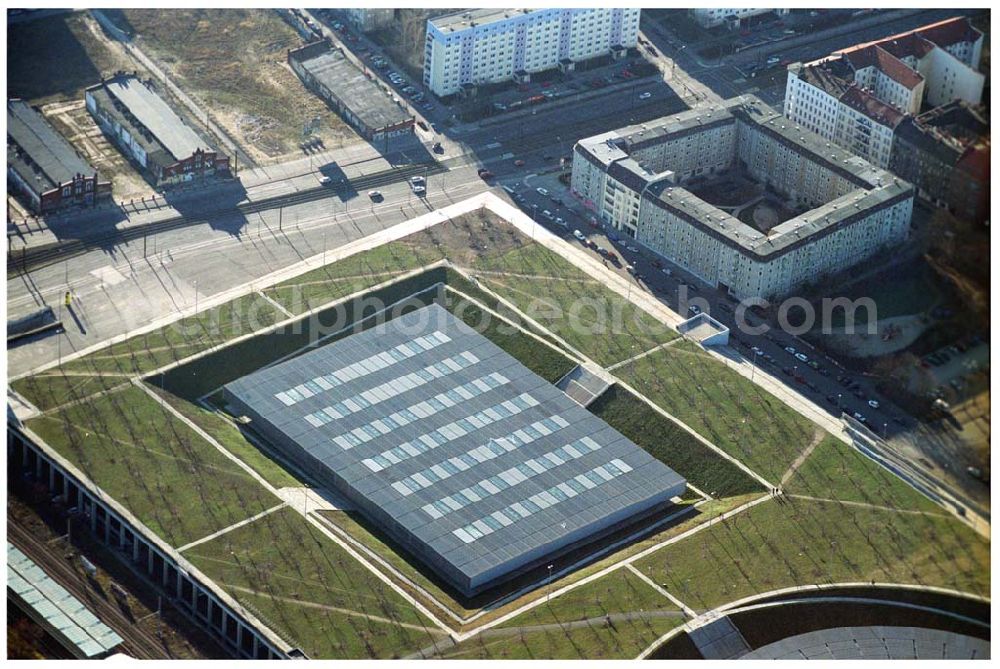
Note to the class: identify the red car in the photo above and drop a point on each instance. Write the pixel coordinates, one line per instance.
(518, 163)
(485, 174)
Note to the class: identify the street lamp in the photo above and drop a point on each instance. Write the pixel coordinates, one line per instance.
(534, 219)
(549, 596)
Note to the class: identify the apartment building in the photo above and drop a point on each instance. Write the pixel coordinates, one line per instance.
(637, 180)
(857, 97)
(483, 46)
(945, 154)
(150, 133)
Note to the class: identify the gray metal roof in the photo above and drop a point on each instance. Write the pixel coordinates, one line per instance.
(62, 611)
(45, 159)
(365, 99)
(874, 643)
(482, 464)
(156, 115)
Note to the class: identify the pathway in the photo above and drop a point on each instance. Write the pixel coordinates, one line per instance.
(817, 438)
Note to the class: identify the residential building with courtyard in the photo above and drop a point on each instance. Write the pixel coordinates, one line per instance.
(741, 197)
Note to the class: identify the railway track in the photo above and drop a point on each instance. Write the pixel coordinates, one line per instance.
(43, 256)
(138, 642)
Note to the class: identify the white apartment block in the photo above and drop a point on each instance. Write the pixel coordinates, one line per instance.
(483, 46)
(634, 179)
(857, 97)
(709, 17)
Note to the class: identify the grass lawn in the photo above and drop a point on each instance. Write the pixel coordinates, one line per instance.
(672, 445)
(233, 440)
(347, 276)
(53, 388)
(726, 408)
(836, 470)
(56, 57)
(593, 640)
(176, 483)
(183, 338)
(621, 591)
(280, 562)
(798, 542)
(234, 61)
(589, 317)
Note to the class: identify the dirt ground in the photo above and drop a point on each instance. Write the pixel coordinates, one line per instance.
(73, 121)
(234, 62)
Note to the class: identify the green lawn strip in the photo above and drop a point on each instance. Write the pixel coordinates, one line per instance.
(175, 482)
(53, 389)
(361, 530)
(233, 440)
(595, 640)
(283, 556)
(836, 470)
(621, 591)
(183, 338)
(784, 543)
(326, 635)
(735, 414)
(672, 445)
(591, 318)
(350, 275)
(539, 358)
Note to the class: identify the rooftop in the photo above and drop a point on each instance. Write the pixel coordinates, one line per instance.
(39, 154)
(366, 100)
(472, 461)
(472, 18)
(63, 613)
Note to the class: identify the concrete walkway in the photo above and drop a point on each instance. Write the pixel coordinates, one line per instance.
(232, 527)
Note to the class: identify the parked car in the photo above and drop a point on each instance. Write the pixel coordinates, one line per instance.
(541, 191)
(694, 309)
(325, 181)
(645, 96)
(579, 235)
(485, 174)
(560, 222)
(547, 214)
(518, 163)
(873, 404)
(375, 195)
(802, 357)
(790, 350)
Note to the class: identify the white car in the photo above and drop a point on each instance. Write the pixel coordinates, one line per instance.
(695, 310)
(547, 214)
(645, 96)
(802, 357)
(757, 350)
(578, 235)
(325, 181)
(419, 190)
(541, 191)
(873, 404)
(790, 350)
(417, 181)
(561, 223)
(860, 417)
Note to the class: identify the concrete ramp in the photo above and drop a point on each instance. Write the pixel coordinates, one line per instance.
(717, 638)
(583, 384)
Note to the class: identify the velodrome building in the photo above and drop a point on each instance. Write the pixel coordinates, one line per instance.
(635, 179)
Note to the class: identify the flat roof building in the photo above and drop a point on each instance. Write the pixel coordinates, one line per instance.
(639, 180)
(143, 125)
(44, 167)
(466, 458)
(370, 109)
(490, 45)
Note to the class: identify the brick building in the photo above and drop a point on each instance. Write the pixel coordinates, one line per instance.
(945, 154)
(149, 132)
(43, 167)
